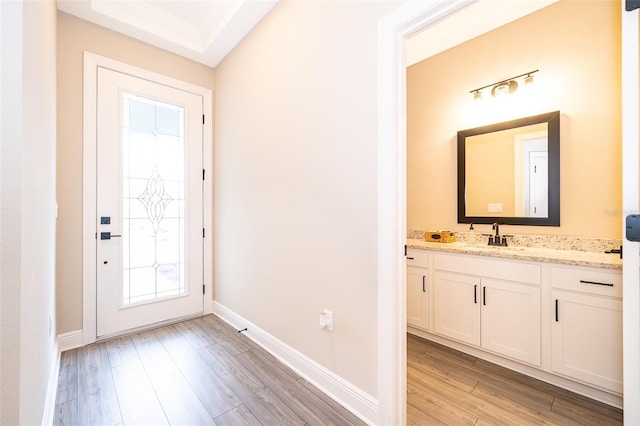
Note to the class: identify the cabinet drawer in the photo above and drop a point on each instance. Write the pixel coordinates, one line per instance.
(500, 269)
(418, 258)
(587, 280)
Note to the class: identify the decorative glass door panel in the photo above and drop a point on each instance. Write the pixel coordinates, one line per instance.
(149, 194)
(152, 200)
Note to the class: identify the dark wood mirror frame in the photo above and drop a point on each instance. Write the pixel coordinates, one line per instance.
(553, 144)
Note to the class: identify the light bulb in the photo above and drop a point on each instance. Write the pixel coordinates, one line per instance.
(501, 90)
(504, 88)
(528, 80)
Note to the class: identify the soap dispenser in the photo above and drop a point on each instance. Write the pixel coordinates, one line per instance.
(472, 234)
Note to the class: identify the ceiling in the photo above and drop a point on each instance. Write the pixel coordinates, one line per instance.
(202, 30)
(465, 25)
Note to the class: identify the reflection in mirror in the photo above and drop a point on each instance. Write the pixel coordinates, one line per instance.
(509, 172)
(521, 158)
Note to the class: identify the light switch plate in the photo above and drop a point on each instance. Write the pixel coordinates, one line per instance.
(494, 207)
(326, 320)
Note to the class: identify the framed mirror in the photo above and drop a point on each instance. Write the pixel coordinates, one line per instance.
(510, 172)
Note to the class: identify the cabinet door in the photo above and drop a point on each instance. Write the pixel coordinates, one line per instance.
(417, 297)
(457, 306)
(510, 319)
(586, 335)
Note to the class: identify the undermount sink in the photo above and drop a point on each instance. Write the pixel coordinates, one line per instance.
(496, 248)
(507, 247)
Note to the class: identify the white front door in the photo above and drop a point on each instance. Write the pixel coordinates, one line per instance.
(149, 203)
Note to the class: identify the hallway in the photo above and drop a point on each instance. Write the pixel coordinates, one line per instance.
(195, 372)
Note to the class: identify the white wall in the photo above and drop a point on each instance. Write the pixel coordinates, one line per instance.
(296, 181)
(10, 186)
(28, 195)
(1, 199)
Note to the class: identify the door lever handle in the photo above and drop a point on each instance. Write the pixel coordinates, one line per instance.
(108, 236)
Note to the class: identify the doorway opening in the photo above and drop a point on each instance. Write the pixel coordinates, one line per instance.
(394, 30)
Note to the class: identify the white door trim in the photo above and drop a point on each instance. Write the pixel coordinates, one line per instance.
(393, 30)
(631, 204)
(91, 63)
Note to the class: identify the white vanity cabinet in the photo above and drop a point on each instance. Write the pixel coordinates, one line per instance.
(556, 322)
(418, 300)
(587, 326)
(499, 316)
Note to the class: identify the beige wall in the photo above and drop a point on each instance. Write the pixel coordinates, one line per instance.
(28, 185)
(296, 183)
(576, 46)
(74, 37)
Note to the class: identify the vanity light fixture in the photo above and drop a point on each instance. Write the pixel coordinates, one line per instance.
(504, 87)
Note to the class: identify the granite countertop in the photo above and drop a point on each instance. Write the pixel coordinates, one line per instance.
(536, 254)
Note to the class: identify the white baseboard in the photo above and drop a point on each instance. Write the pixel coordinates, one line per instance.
(70, 340)
(52, 387)
(349, 396)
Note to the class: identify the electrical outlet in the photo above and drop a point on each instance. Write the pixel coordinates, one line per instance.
(494, 207)
(326, 320)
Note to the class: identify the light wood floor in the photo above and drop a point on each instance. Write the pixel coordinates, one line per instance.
(198, 372)
(445, 386)
(202, 372)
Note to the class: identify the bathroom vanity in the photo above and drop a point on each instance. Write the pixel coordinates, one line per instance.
(551, 314)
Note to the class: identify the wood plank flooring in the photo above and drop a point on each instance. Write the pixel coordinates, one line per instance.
(448, 387)
(202, 372)
(198, 372)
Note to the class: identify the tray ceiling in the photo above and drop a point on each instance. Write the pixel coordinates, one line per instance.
(201, 30)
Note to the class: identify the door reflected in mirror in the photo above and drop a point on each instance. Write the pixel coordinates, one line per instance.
(509, 172)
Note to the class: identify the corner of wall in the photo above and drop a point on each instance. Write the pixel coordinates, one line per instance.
(52, 387)
(345, 393)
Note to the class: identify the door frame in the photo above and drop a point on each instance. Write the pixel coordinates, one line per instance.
(630, 205)
(393, 30)
(89, 180)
